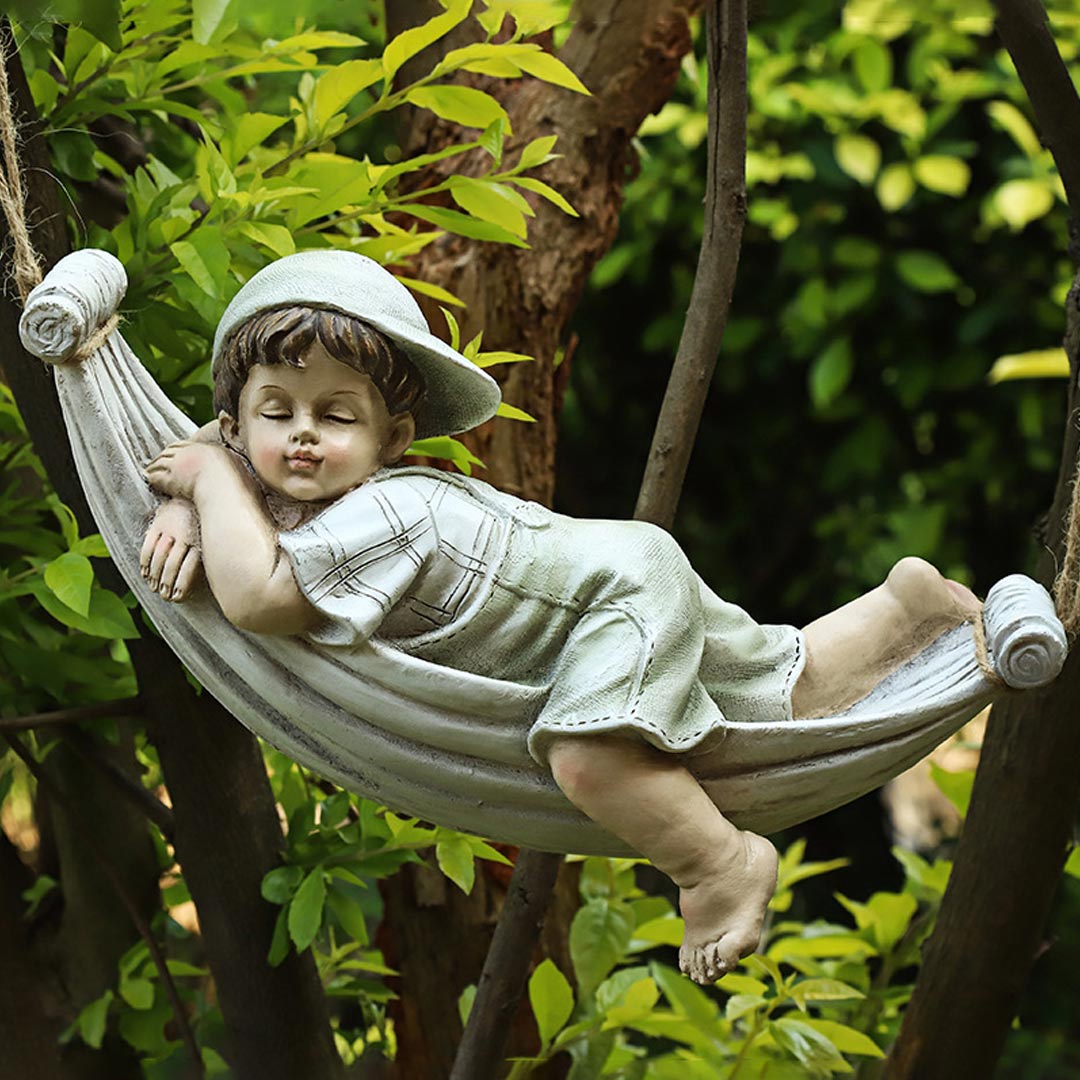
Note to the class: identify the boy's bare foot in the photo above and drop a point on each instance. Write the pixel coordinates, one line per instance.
(850, 650)
(724, 910)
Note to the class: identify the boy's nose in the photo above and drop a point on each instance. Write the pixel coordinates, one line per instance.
(305, 430)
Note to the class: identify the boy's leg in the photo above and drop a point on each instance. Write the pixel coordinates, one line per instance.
(726, 877)
(850, 650)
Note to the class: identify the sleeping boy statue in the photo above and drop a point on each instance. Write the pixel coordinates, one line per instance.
(295, 506)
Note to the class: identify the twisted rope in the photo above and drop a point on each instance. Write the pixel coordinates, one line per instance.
(1067, 582)
(26, 263)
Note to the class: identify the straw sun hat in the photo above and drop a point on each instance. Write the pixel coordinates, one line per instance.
(459, 394)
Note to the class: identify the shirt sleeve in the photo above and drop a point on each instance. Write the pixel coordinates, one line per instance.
(359, 557)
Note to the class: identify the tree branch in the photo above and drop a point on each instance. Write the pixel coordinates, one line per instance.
(1027, 788)
(1023, 27)
(132, 706)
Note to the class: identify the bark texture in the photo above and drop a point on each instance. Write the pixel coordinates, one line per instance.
(227, 833)
(1027, 788)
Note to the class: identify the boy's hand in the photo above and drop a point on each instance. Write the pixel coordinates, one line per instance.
(177, 469)
(170, 559)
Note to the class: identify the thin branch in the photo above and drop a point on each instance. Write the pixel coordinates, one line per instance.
(718, 261)
(115, 880)
(143, 801)
(506, 966)
(132, 706)
(1023, 27)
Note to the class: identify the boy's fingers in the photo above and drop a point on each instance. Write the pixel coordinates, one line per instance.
(187, 574)
(157, 560)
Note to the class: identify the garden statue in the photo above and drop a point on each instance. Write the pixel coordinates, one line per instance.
(477, 660)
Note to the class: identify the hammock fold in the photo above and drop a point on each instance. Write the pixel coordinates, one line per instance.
(447, 746)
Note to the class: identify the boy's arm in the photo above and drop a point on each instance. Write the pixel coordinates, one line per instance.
(170, 560)
(249, 575)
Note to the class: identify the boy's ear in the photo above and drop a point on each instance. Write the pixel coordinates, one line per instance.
(230, 431)
(402, 433)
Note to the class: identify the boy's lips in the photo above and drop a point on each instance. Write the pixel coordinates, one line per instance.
(302, 461)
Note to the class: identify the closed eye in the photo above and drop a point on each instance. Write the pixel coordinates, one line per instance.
(340, 419)
(276, 415)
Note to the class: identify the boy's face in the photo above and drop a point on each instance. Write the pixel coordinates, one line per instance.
(313, 433)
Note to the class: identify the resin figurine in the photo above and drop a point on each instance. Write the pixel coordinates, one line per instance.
(522, 645)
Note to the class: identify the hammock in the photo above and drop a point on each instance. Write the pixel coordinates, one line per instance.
(447, 746)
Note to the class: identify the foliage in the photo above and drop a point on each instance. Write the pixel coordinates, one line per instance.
(905, 229)
(816, 999)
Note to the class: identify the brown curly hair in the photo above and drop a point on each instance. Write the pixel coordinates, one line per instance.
(283, 335)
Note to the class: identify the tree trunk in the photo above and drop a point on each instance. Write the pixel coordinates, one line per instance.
(1027, 787)
(628, 54)
(227, 832)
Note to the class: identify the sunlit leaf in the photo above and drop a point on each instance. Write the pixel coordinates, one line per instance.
(459, 104)
(895, 186)
(551, 998)
(455, 859)
(942, 173)
(926, 271)
(1022, 201)
(858, 155)
(1038, 364)
(409, 42)
(306, 909)
(71, 577)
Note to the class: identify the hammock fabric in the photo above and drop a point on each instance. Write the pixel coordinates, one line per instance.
(447, 746)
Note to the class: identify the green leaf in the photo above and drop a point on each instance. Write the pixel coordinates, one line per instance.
(455, 859)
(667, 930)
(885, 915)
(599, 937)
(1072, 863)
(205, 259)
(831, 372)
(846, 1039)
(1011, 120)
(492, 202)
(804, 1043)
(408, 43)
(1022, 201)
(43, 885)
(306, 909)
(499, 356)
(872, 63)
(463, 225)
(895, 186)
(530, 183)
(213, 20)
(279, 942)
(465, 1002)
(100, 17)
(955, 786)
(536, 152)
(942, 173)
(447, 448)
(71, 577)
(107, 617)
(92, 1020)
(735, 983)
(436, 292)
(859, 156)
(512, 412)
(276, 238)
(280, 883)
(91, 546)
(542, 65)
(822, 946)
(926, 271)
(349, 914)
(341, 84)
(251, 130)
(1038, 364)
(459, 104)
(138, 993)
(823, 990)
(552, 1000)
(686, 998)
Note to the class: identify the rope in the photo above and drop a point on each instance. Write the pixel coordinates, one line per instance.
(982, 651)
(1067, 582)
(27, 265)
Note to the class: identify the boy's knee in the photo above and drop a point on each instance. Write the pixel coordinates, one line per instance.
(568, 759)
